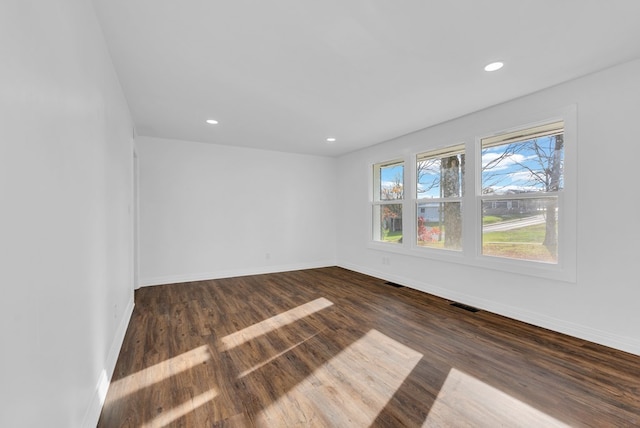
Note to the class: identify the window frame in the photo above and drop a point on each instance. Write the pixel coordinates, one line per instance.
(439, 153)
(471, 254)
(376, 202)
(522, 134)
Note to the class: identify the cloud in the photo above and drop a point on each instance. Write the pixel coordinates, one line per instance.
(508, 161)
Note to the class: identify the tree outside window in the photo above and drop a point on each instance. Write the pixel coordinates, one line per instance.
(522, 178)
(439, 191)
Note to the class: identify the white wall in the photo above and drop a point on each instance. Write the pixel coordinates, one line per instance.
(602, 305)
(65, 221)
(211, 211)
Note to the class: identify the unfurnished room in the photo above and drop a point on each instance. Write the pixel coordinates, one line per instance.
(292, 213)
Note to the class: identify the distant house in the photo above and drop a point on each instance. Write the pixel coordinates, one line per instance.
(513, 206)
(429, 212)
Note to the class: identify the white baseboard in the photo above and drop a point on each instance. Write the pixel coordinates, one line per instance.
(97, 400)
(590, 334)
(230, 273)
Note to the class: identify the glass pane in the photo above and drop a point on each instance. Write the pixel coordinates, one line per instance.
(387, 223)
(525, 229)
(440, 225)
(392, 182)
(440, 176)
(526, 166)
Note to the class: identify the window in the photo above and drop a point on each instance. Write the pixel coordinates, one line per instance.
(439, 191)
(522, 179)
(505, 201)
(388, 196)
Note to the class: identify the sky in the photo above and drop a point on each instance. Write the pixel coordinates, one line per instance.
(521, 171)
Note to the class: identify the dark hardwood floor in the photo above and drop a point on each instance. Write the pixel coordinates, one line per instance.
(333, 348)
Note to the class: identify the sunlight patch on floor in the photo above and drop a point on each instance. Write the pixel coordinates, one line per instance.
(158, 372)
(351, 389)
(471, 402)
(263, 327)
(179, 411)
(276, 356)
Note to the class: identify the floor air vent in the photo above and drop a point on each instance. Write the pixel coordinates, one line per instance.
(393, 284)
(465, 307)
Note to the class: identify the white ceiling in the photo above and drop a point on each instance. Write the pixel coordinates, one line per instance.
(286, 74)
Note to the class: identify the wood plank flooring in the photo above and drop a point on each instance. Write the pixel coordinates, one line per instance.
(333, 348)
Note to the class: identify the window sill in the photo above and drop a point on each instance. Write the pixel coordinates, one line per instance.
(557, 272)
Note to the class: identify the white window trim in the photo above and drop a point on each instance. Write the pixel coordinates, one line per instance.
(376, 201)
(471, 254)
(459, 148)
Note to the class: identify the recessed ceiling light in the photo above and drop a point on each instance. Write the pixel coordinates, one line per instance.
(331, 140)
(493, 66)
(212, 121)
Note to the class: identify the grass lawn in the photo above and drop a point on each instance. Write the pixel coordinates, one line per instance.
(522, 243)
(393, 236)
(523, 251)
(490, 219)
(524, 234)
